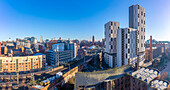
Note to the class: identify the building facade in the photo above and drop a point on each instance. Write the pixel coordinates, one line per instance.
(111, 43)
(58, 47)
(73, 47)
(23, 63)
(62, 57)
(126, 46)
(137, 21)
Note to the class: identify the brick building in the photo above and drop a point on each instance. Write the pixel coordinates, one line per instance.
(22, 63)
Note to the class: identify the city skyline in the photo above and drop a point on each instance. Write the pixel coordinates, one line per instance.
(60, 19)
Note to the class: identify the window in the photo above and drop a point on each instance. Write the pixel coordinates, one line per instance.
(111, 31)
(141, 13)
(128, 40)
(141, 29)
(128, 50)
(126, 55)
(141, 37)
(138, 23)
(141, 21)
(138, 15)
(111, 23)
(138, 7)
(115, 24)
(126, 46)
(126, 36)
(111, 47)
(128, 30)
(111, 39)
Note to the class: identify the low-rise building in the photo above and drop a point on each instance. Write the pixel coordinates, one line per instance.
(121, 78)
(22, 63)
(63, 56)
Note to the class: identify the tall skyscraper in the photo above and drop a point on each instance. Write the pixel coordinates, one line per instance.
(41, 39)
(111, 43)
(93, 40)
(137, 21)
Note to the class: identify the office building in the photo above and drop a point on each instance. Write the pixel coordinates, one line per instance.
(58, 47)
(50, 58)
(137, 21)
(111, 43)
(32, 40)
(73, 47)
(62, 57)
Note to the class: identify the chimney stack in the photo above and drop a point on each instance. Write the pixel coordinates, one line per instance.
(93, 40)
(151, 54)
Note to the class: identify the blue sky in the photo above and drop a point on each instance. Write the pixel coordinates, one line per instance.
(77, 19)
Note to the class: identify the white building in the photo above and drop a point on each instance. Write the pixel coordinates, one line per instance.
(126, 46)
(60, 54)
(73, 47)
(111, 43)
(137, 21)
(123, 46)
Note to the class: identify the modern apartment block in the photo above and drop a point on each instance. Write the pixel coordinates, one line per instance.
(123, 46)
(126, 46)
(111, 43)
(137, 21)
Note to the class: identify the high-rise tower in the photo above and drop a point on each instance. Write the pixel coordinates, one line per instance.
(111, 43)
(137, 21)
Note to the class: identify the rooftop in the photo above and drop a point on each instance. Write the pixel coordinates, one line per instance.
(145, 74)
(91, 78)
(160, 85)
